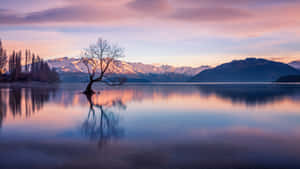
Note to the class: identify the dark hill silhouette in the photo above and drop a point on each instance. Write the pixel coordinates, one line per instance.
(248, 70)
(290, 78)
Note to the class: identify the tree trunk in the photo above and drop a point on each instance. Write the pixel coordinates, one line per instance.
(89, 90)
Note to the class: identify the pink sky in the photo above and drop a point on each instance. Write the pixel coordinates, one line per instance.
(176, 32)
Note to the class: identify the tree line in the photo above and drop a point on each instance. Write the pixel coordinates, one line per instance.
(33, 68)
(24, 102)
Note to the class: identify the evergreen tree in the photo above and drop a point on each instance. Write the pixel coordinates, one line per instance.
(12, 67)
(36, 70)
(3, 59)
(27, 60)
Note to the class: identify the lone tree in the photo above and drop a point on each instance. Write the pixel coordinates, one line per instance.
(3, 59)
(98, 59)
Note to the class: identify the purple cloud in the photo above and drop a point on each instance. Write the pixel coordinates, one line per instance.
(67, 14)
(244, 3)
(209, 14)
(236, 15)
(149, 6)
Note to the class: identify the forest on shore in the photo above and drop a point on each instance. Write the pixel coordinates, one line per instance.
(15, 67)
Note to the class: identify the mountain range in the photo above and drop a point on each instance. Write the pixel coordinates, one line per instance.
(71, 69)
(295, 64)
(248, 70)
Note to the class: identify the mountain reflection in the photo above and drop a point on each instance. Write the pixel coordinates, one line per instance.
(101, 123)
(251, 95)
(151, 126)
(23, 102)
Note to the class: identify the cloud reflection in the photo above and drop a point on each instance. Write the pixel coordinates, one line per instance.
(167, 126)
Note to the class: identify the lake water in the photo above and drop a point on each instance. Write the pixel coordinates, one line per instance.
(183, 125)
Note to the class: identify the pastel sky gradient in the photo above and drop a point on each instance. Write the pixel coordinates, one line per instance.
(175, 32)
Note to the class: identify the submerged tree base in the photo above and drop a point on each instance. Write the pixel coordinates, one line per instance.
(88, 89)
(89, 92)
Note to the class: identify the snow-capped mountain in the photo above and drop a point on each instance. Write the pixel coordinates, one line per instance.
(295, 64)
(74, 65)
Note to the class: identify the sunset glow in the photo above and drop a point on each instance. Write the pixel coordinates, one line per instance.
(207, 32)
(124, 84)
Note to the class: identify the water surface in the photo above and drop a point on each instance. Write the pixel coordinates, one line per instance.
(150, 126)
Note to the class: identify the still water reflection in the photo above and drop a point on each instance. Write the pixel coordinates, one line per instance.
(151, 126)
(102, 124)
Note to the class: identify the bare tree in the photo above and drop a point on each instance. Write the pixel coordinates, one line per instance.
(3, 59)
(97, 59)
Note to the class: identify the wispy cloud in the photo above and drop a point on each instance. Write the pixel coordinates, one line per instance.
(210, 14)
(149, 23)
(152, 7)
(232, 14)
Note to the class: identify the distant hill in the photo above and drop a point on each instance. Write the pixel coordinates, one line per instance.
(248, 70)
(72, 70)
(295, 64)
(290, 78)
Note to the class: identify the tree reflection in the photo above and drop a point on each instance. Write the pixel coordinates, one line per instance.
(23, 101)
(15, 101)
(3, 107)
(101, 123)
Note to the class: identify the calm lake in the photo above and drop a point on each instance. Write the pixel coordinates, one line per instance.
(170, 126)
